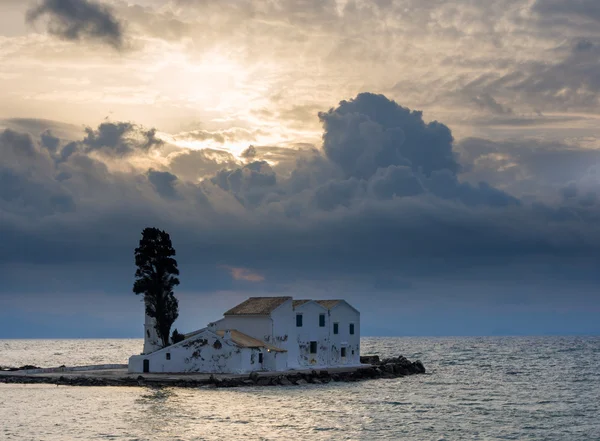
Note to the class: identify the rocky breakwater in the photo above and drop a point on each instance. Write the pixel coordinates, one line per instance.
(372, 368)
(386, 368)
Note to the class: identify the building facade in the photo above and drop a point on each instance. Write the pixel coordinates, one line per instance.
(262, 334)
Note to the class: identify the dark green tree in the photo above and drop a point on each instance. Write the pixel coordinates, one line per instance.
(155, 278)
(176, 337)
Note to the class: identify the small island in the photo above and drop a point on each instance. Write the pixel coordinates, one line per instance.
(261, 341)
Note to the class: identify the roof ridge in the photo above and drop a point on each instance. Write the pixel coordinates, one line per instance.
(258, 305)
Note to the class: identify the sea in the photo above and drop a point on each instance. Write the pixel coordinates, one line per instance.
(476, 388)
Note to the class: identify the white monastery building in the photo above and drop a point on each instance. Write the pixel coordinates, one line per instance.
(261, 334)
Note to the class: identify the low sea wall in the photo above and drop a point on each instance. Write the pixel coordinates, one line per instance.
(386, 368)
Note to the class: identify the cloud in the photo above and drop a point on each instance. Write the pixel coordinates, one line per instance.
(583, 9)
(250, 183)
(193, 165)
(486, 101)
(370, 131)
(76, 20)
(164, 183)
(529, 168)
(388, 215)
(234, 134)
(244, 274)
(120, 138)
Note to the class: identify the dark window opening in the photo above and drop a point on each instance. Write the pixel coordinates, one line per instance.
(352, 351)
(351, 328)
(298, 320)
(313, 347)
(322, 320)
(260, 357)
(148, 333)
(146, 366)
(336, 328)
(168, 355)
(343, 352)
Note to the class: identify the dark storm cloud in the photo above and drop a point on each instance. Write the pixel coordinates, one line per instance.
(393, 206)
(27, 184)
(76, 20)
(370, 131)
(530, 167)
(283, 160)
(250, 183)
(120, 139)
(164, 183)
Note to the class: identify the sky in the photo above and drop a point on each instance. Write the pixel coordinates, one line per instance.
(436, 163)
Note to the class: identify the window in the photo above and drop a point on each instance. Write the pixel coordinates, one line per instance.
(148, 333)
(343, 352)
(336, 328)
(351, 328)
(168, 355)
(260, 357)
(321, 320)
(313, 347)
(298, 320)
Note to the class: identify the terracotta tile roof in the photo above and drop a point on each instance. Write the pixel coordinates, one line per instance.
(245, 341)
(328, 303)
(300, 302)
(257, 306)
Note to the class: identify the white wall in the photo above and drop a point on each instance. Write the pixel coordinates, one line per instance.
(204, 352)
(257, 326)
(284, 331)
(275, 361)
(344, 314)
(151, 341)
(311, 331)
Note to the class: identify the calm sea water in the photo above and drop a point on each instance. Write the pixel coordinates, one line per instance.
(517, 388)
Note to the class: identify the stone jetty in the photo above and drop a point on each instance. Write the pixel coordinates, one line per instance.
(372, 367)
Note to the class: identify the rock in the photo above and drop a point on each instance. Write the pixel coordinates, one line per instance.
(369, 359)
(285, 382)
(419, 367)
(263, 381)
(301, 382)
(388, 367)
(24, 368)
